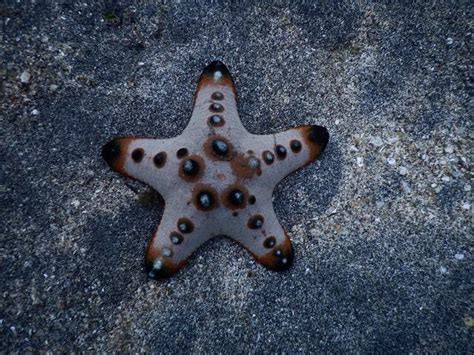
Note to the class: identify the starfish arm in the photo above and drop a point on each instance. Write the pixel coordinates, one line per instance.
(263, 236)
(215, 103)
(182, 230)
(151, 161)
(285, 152)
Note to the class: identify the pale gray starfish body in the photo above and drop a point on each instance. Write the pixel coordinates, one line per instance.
(216, 178)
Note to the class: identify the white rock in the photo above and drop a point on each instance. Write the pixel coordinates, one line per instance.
(360, 162)
(449, 41)
(75, 203)
(406, 187)
(459, 256)
(376, 141)
(25, 77)
(466, 206)
(391, 161)
(403, 170)
(443, 270)
(449, 149)
(445, 178)
(53, 87)
(35, 112)
(467, 187)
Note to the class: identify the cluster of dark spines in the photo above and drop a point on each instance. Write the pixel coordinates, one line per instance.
(185, 226)
(281, 152)
(157, 267)
(216, 120)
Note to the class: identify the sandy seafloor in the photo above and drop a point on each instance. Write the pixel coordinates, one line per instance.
(381, 224)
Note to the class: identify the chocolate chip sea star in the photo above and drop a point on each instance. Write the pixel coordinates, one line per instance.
(216, 178)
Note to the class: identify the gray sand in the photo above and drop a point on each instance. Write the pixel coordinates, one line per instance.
(382, 224)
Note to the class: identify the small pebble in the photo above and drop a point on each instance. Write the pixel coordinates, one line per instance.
(360, 162)
(376, 141)
(391, 161)
(35, 112)
(443, 270)
(403, 170)
(449, 41)
(445, 178)
(459, 256)
(75, 203)
(449, 149)
(53, 87)
(466, 206)
(25, 77)
(467, 187)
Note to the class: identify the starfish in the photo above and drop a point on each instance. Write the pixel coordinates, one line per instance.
(216, 178)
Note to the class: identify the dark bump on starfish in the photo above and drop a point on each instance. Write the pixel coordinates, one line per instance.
(252, 199)
(218, 147)
(280, 151)
(181, 153)
(296, 146)
(138, 154)
(160, 159)
(235, 196)
(319, 135)
(185, 225)
(191, 168)
(253, 163)
(176, 238)
(167, 252)
(255, 222)
(217, 96)
(205, 197)
(215, 107)
(269, 242)
(216, 121)
(235, 214)
(268, 157)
